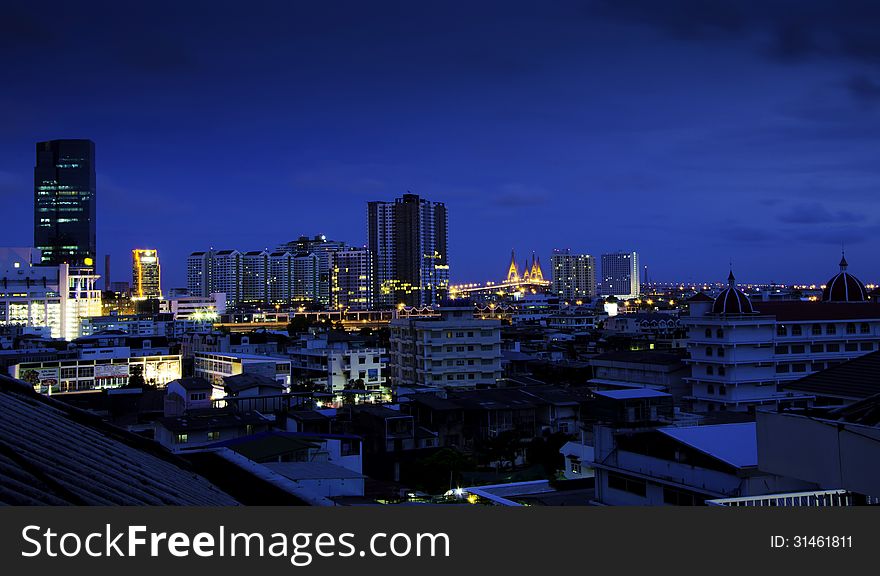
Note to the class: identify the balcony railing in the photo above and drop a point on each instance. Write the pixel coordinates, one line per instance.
(817, 498)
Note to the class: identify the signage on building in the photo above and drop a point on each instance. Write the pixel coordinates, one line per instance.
(111, 371)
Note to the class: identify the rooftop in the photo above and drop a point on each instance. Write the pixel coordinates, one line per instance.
(853, 380)
(52, 453)
(734, 444)
(632, 393)
(312, 470)
(239, 382)
(640, 357)
(800, 310)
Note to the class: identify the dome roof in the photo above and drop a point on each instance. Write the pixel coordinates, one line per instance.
(844, 287)
(731, 300)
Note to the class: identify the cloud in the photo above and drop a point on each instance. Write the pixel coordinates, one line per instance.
(816, 213)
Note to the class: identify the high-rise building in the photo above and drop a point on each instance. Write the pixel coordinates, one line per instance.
(146, 277)
(352, 279)
(323, 249)
(620, 274)
(199, 273)
(64, 202)
(226, 275)
(408, 240)
(574, 276)
(255, 277)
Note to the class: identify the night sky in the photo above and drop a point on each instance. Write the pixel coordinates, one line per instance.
(693, 132)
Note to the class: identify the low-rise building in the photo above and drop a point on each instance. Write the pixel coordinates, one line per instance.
(742, 353)
(341, 362)
(54, 376)
(682, 465)
(215, 367)
(452, 350)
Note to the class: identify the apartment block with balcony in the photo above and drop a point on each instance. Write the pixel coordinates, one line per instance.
(341, 362)
(742, 354)
(452, 350)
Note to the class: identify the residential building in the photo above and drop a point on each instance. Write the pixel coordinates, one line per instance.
(574, 276)
(408, 241)
(453, 349)
(743, 353)
(341, 362)
(255, 277)
(620, 275)
(630, 369)
(199, 428)
(65, 203)
(316, 283)
(351, 279)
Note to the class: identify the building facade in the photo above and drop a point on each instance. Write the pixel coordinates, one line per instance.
(64, 202)
(146, 275)
(620, 275)
(351, 279)
(452, 350)
(574, 276)
(742, 352)
(408, 240)
(96, 373)
(55, 297)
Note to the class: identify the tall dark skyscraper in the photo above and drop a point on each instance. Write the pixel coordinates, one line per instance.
(64, 202)
(408, 240)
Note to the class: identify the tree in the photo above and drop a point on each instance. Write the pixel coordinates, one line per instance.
(502, 448)
(136, 376)
(545, 450)
(440, 471)
(298, 325)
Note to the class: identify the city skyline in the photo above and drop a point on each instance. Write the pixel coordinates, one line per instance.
(541, 140)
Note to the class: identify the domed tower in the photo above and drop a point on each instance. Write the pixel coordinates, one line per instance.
(844, 287)
(731, 300)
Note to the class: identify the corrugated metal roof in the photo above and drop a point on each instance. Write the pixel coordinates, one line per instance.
(735, 444)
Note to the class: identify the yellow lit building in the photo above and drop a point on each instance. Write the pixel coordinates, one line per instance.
(146, 278)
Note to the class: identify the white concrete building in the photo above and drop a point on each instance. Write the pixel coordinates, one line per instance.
(452, 350)
(196, 307)
(340, 363)
(57, 297)
(741, 352)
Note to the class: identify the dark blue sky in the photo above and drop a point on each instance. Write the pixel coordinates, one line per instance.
(693, 132)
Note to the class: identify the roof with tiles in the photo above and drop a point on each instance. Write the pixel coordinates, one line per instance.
(54, 454)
